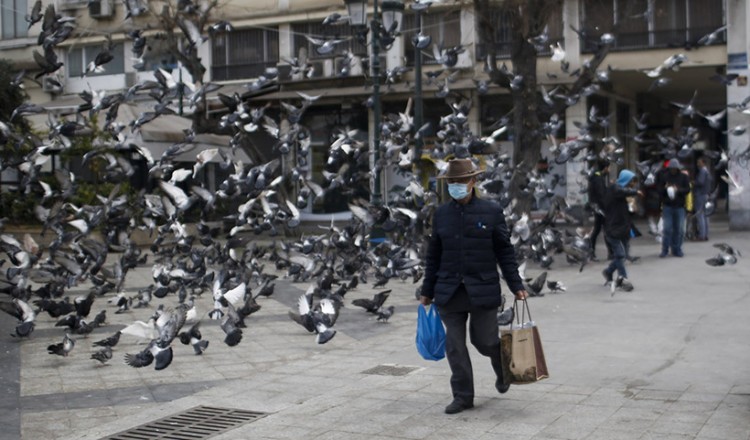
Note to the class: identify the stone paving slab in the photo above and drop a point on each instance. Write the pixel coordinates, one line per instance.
(666, 361)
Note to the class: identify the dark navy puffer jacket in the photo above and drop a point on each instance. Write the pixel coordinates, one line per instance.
(467, 243)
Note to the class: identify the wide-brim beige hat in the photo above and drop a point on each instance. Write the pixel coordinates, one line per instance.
(460, 169)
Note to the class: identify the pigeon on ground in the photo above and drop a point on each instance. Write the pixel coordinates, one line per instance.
(110, 341)
(385, 314)
(535, 287)
(506, 316)
(23, 312)
(103, 355)
(556, 286)
(62, 348)
(374, 304)
(193, 338)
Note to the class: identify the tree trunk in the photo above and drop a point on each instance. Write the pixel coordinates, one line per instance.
(527, 141)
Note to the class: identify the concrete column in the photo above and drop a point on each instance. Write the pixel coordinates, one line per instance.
(475, 123)
(576, 182)
(738, 19)
(571, 42)
(394, 57)
(285, 41)
(468, 38)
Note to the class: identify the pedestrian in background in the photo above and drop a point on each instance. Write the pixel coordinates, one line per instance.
(652, 205)
(674, 187)
(617, 228)
(469, 240)
(701, 191)
(598, 182)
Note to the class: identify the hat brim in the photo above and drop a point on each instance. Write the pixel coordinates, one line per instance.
(461, 176)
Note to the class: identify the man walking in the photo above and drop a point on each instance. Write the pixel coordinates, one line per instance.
(469, 239)
(597, 191)
(701, 190)
(674, 187)
(617, 227)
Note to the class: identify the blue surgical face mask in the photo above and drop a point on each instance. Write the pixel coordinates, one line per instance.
(458, 190)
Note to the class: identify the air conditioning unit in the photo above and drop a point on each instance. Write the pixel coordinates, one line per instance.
(52, 85)
(101, 8)
(65, 5)
(318, 67)
(354, 67)
(136, 7)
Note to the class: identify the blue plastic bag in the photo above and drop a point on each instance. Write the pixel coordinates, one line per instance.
(430, 334)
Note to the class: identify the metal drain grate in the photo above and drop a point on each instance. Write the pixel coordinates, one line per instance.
(390, 370)
(197, 423)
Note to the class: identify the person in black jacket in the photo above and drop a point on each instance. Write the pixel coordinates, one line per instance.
(674, 186)
(469, 240)
(617, 227)
(597, 192)
(701, 191)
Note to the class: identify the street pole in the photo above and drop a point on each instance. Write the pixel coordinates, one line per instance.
(418, 117)
(376, 197)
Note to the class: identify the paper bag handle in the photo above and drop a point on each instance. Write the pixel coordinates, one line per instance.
(525, 310)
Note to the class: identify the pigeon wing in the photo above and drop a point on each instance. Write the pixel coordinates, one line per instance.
(139, 360)
(237, 294)
(175, 193)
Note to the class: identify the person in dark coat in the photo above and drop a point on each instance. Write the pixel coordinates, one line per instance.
(469, 240)
(701, 191)
(674, 186)
(598, 181)
(617, 228)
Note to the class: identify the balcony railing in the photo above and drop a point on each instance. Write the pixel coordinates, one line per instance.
(240, 71)
(503, 49)
(667, 38)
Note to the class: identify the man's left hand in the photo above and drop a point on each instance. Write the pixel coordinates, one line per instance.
(521, 295)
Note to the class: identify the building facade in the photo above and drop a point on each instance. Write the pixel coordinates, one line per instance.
(272, 33)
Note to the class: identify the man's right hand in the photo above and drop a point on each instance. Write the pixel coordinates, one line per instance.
(425, 300)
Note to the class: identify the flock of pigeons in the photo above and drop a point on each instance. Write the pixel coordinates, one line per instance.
(91, 245)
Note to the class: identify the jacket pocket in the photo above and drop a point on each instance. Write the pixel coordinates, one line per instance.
(486, 278)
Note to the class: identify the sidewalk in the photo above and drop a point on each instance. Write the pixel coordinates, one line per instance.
(666, 361)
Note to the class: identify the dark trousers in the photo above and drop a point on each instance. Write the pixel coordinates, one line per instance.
(674, 229)
(483, 333)
(619, 252)
(598, 225)
(700, 215)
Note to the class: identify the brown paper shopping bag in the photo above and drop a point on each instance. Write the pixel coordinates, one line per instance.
(522, 356)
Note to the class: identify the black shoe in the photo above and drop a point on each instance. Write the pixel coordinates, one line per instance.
(624, 284)
(607, 277)
(501, 387)
(632, 259)
(457, 406)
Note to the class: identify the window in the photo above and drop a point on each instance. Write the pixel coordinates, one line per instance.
(504, 33)
(157, 55)
(444, 28)
(670, 22)
(244, 53)
(324, 123)
(633, 30)
(705, 17)
(654, 23)
(317, 30)
(13, 13)
(80, 57)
